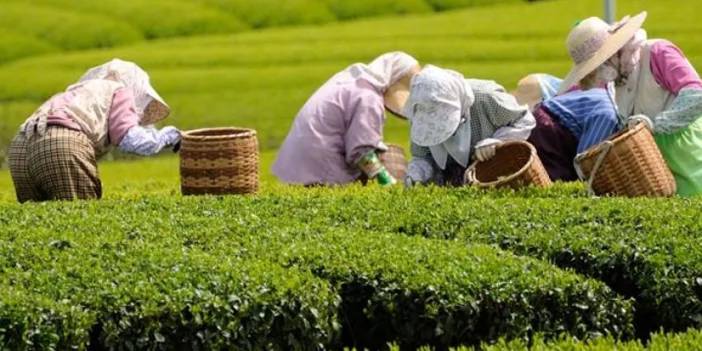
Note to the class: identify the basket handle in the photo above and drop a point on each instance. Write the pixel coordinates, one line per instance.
(604, 150)
(470, 176)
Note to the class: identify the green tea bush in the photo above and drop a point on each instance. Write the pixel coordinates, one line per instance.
(129, 293)
(442, 5)
(30, 321)
(65, 29)
(158, 18)
(417, 292)
(689, 340)
(647, 249)
(346, 10)
(161, 271)
(15, 45)
(272, 13)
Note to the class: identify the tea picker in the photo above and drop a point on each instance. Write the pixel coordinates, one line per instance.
(53, 157)
(454, 119)
(337, 136)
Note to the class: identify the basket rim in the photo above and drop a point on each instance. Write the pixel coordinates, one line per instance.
(514, 175)
(614, 139)
(235, 133)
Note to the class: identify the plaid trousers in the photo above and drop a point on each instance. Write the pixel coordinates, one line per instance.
(59, 165)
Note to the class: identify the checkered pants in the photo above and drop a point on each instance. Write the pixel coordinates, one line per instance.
(60, 165)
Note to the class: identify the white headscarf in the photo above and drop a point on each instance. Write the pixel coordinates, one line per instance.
(135, 78)
(383, 72)
(438, 107)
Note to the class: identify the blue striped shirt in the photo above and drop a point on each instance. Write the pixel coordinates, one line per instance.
(589, 114)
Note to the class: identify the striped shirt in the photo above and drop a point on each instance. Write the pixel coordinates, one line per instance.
(589, 114)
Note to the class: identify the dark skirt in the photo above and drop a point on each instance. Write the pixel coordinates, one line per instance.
(555, 145)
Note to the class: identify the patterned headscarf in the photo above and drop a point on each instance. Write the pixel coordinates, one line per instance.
(439, 104)
(135, 78)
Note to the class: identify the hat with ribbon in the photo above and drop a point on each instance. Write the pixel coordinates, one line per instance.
(592, 42)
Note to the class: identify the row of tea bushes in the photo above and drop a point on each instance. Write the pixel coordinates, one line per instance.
(647, 249)
(205, 272)
(684, 341)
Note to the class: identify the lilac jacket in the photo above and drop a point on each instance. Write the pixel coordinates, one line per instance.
(339, 123)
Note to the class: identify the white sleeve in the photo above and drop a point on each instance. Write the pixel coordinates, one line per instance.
(147, 141)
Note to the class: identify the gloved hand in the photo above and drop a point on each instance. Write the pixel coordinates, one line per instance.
(419, 171)
(147, 141)
(636, 119)
(385, 178)
(486, 149)
(169, 135)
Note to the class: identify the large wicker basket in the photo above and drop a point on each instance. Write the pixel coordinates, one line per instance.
(628, 164)
(394, 161)
(514, 165)
(219, 161)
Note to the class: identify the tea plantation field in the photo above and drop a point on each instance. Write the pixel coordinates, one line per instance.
(261, 78)
(353, 267)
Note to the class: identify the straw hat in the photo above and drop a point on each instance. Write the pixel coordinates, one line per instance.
(396, 95)
(528, 91)
(592, 42)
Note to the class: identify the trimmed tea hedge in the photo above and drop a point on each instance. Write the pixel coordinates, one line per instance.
(417, 292)
(690, 340)
(271, 13)
(65, 29)
(15, 45)
(648, 249)
(346, 10)
(151, 263)
(73, 287)
(157, 18)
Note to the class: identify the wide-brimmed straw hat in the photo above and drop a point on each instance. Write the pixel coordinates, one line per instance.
(528, 91)
(592, 42)
(395, 97)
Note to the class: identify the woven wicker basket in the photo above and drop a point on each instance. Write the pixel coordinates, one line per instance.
(219, 161)
(394, 161)
(514, 165)
(628, 164)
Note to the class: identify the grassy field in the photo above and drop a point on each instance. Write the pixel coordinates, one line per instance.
(326, 267)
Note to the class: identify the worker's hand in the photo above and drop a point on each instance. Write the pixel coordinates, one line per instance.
(419, 171)
(385, 178)
(636, 119)
(486, 149)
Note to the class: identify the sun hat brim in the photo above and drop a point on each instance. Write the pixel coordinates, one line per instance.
(395, 99)
(528, 91)
(612, 44)
(156, 113)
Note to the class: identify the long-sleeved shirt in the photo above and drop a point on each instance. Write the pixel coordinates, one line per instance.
(123, 126)
(674, 73)
(589, 114)
(340, 123)
(122, 115)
